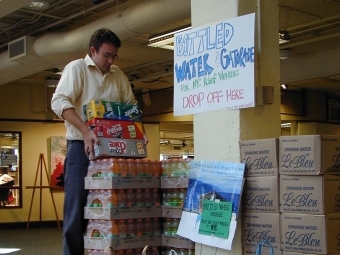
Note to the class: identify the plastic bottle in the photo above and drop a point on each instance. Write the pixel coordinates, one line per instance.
(122, 167)
(130, 197)
(166, 167)
(166, 197)
(131, 228)
(139, 167)
(155, 169)
(91, 168)
(140, 227)
(148, 227)
(112, 199)
(90, 198)
(113, 168)
(97, 172)
(140, 201)
(191, 252)
(112, 229)
(156, 200)
(174, 226)
(156, 226)
(181, 195)
(174, 198)
(138, 251)
(147, 197)
(105, 163)
(122, 199)
(147, 167)
(167, 226)
(183, 251)
(122, 228)
(131, 168)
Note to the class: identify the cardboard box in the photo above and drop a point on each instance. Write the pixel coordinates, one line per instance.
(117, 147)
(296, 253)
(116, 128)
(310, 194)
(261, 194)
(174, 181)
(309, 154)
(122, 213)
(264, 251)
(138, 182)
(309, 233)
(172, 211)
(260, 157)
(111, 110)
(257, 227)
(177, 242)
(99, 243)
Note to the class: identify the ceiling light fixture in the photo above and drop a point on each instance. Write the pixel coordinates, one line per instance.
(284, 36)
(37, 5)
(166, 40)
(284, 86)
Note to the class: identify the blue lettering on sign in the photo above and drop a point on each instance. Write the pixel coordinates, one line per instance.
(185, 43)
(236, 58)
(196, 67)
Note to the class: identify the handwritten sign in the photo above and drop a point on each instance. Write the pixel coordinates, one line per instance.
(215, 218)
(214, 67)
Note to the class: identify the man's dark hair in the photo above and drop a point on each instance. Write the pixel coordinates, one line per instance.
(101, 36)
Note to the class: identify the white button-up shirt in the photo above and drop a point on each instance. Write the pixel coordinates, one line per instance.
(81, 82)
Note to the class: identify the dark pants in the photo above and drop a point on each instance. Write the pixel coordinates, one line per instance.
(74, 225)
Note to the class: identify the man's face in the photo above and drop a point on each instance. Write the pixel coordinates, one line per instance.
(105, 56)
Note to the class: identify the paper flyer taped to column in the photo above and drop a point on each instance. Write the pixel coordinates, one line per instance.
(215, 181)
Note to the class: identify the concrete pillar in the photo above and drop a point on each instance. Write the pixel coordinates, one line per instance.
(216, 134)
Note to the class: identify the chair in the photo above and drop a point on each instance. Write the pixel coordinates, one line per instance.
(4, 192)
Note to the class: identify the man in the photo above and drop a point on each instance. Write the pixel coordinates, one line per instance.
(82, 81)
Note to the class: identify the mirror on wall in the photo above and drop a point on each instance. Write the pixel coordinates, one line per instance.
(10, 169)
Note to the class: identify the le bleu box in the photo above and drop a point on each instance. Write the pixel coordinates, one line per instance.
(260, 157)
(257, 227)
(261, 194)
(307, 233)
(309, 154)
(316, 194)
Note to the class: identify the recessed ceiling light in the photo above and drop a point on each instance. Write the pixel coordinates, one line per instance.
(37, 5)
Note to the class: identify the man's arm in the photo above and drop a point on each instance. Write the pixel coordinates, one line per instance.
(90, 138)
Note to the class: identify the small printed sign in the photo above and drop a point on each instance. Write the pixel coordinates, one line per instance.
(216, 217)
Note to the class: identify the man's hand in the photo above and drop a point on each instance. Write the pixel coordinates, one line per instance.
(90, 140)
(146, 140)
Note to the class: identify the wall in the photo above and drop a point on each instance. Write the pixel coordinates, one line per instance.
(35, 140)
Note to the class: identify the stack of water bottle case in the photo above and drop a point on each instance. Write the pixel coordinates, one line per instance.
(125, 201)
(291, 195)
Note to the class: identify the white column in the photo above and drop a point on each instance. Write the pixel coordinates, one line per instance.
(216, 134)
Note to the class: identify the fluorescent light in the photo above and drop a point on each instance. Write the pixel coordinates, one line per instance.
(284, 36)
(37, 5)
(166, 40)
(284, 86)
(286, 125)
